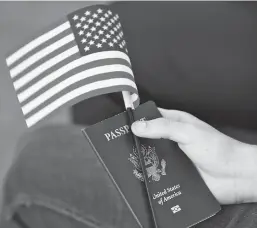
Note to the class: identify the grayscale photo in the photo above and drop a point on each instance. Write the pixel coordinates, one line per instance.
(128, 114)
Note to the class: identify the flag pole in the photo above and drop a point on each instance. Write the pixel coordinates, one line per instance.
(130, 110)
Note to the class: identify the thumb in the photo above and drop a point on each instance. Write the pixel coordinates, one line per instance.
(162, 128)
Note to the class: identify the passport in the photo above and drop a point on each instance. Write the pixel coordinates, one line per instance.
(179, 196)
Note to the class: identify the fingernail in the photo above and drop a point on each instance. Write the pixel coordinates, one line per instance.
(139, 126)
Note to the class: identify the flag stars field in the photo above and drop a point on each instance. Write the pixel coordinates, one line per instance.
(91, 42)
(87, 48)
(87, 13)
(88, 34)
(102, 19)
(85, 26)
(90, 21)
(75, 17)
(82, 19)
(96, 37)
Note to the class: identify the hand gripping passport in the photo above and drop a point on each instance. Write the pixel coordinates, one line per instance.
(178, 194)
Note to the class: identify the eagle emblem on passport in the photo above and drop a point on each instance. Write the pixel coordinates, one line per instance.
(155, 169)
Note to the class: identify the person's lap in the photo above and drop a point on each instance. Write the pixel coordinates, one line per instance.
(57, 181)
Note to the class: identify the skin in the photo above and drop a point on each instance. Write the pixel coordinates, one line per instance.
(228, 166)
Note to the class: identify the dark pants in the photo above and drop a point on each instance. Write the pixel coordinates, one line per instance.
(57, 181)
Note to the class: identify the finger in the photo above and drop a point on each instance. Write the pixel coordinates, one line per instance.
(179, 116)
(162, 128)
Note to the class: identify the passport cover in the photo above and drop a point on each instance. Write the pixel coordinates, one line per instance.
(179, 196)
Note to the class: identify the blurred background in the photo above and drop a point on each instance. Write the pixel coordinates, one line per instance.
(19, 21)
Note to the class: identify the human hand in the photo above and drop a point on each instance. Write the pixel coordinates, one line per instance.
(228, 167)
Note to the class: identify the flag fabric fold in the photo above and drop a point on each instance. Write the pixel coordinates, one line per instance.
(85, 55)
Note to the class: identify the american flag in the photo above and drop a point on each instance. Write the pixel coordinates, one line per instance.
(85, 55)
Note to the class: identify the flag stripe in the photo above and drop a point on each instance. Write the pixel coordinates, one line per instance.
(36, 42)
(30, 94)
(46, 65)
(40, 47)
(78, 84)
(73, 79)
(34, 79)
(66, 68)
(42, 53)
(90, 90)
